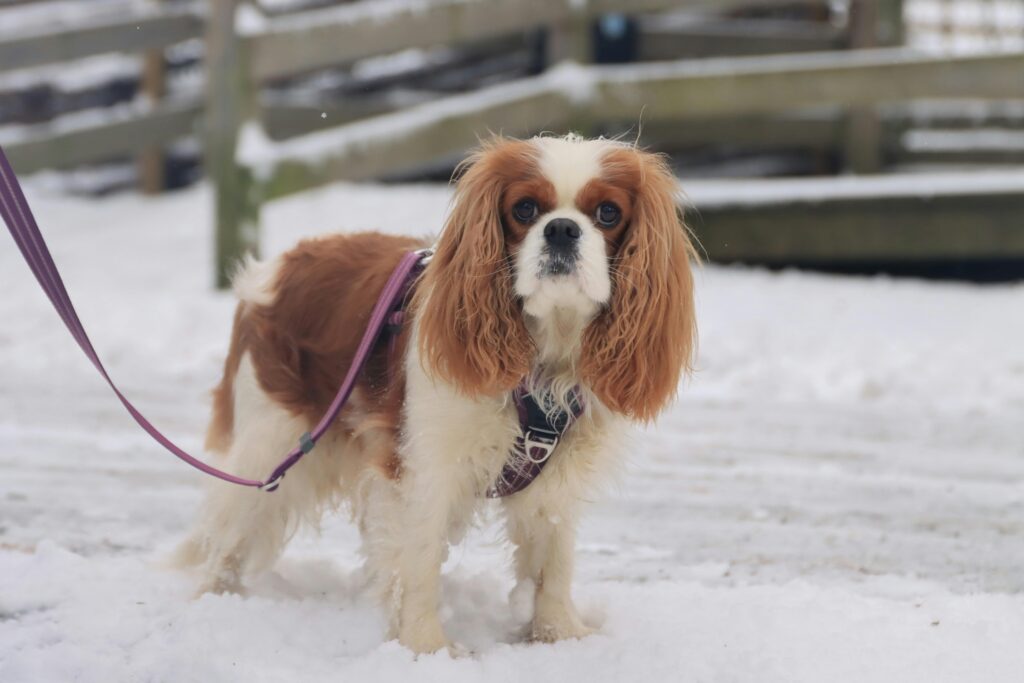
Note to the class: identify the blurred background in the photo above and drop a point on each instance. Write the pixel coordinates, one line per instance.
(885, 135)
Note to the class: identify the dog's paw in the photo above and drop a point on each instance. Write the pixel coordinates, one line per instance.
(552, 625)
(425, 636)
(220, 585)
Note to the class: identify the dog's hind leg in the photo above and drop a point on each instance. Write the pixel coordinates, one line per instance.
(243, 530)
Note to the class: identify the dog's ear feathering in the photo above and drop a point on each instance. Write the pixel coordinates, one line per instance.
(636, 351)
(471, 329)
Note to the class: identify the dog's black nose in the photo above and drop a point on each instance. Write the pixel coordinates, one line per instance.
(562, 233)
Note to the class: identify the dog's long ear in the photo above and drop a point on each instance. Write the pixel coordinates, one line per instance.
(635, 352)
(471, 330)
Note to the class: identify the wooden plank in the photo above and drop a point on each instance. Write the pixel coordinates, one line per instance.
(813, 132)
(144, 30)
(321, 38)
(919, 225)
(659, 42)
(41, 147)
(378, 147)
(290, 120)
(665, 93)
(231, 101)
(337, 35)
(151, 161)
(747, 85)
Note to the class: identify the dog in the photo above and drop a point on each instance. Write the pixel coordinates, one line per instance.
(563, 267)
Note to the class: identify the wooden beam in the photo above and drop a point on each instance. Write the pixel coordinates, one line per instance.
(813, 132)
(747, 85)
(48, 146)
(151, 161)
(145, 30)
(325, 37)
(911, 218)
(393, 142)
(231, 103)
(659, 42)
(583, 97)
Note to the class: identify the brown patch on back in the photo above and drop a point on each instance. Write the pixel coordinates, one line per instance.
(303, 343)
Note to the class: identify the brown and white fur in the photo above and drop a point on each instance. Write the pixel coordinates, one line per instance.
(419, 443)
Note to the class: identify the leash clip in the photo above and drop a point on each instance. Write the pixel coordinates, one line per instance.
(272, 485)
(426, 255)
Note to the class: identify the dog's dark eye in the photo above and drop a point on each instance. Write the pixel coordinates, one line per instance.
(525, 210)
(608, 215)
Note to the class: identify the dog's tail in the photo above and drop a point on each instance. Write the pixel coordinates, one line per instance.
(222, 418)
(254, 283)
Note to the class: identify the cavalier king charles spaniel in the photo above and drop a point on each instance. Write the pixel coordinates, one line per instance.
(564, 266)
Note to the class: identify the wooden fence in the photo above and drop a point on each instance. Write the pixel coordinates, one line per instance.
(142, 128)
(246, 50)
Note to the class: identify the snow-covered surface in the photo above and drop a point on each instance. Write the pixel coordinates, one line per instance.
(707, 193)
(964, 25)
(838, 494)
(978, 139)
(81, 74)
(263, 156)
(33, 17)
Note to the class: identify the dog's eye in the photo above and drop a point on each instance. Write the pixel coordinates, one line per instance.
(608, 215)
(525, 211)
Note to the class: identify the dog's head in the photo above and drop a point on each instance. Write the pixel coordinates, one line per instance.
(548, 231)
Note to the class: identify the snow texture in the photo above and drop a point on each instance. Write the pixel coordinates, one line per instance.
(836, 496)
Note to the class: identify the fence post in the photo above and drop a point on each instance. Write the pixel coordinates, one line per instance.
(151, 160)
(873, 23)
(230, 104)
(570, 39)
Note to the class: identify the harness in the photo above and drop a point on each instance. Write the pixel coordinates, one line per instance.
(540, 429)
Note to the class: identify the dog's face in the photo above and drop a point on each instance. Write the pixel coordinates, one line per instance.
(564, 221)
(551, 226)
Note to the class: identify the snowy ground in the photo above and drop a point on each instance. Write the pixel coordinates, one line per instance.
(838, 494)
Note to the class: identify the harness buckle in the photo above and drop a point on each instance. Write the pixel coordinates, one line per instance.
(272, 485)
(541, 439)
(425, 255)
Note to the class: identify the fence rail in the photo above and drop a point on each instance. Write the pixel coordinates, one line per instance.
(245, 49)
(42, 147)
(142, 30)
(584, 97)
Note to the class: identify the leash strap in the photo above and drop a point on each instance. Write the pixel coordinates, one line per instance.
(23, 228)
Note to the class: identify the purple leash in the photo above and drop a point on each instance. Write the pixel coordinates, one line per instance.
(22, 225)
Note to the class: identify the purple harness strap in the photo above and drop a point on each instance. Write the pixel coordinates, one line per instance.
(541, 427)
(22, 225)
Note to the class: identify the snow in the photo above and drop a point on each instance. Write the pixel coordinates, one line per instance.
(964, 25)
(977, 139)
(837, 495)
(729, 192)
(81, 74)
(47, 16)
(317, 148)
(348, 13)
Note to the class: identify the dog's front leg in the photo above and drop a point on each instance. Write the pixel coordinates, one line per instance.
(544, 538)
(431, 496)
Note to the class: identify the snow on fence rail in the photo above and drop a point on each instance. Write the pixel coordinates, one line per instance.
(91, 137)
(580, 97)
(246, 48)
